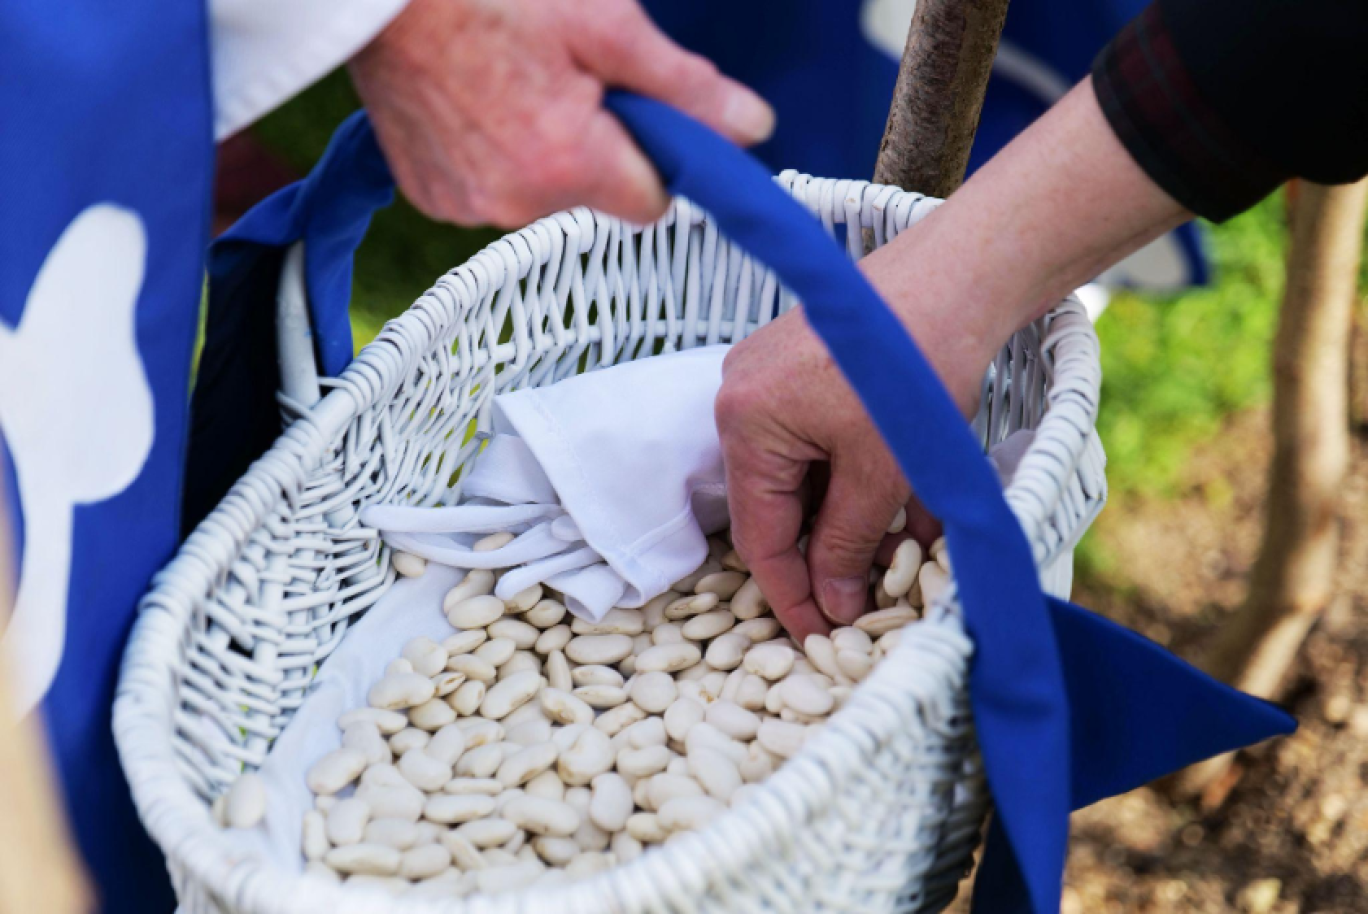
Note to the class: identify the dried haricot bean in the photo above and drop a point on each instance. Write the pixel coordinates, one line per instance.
(526, 740)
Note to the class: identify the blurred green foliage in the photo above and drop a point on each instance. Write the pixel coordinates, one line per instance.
(1174, 366)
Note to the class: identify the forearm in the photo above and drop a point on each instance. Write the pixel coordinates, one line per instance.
(1057, 206)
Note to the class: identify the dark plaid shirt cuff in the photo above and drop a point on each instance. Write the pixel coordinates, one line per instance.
(1151, 102)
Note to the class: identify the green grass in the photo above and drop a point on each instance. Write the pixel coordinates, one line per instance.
(1175, 367)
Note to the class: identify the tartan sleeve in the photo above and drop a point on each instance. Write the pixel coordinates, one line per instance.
(1147, 94)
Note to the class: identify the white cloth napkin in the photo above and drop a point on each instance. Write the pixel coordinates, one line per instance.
(610, 480)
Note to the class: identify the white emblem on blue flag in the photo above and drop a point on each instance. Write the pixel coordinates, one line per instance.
(76, 410)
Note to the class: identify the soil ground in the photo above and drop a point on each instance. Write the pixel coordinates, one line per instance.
(1292, 835)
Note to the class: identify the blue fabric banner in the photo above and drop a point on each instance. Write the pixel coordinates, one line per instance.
(106, 160)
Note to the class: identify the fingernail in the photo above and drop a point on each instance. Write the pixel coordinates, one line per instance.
(749, 116)
(843, 599)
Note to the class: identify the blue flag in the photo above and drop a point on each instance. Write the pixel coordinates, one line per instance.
(106, 160)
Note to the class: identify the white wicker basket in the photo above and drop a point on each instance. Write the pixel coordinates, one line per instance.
(880, 812)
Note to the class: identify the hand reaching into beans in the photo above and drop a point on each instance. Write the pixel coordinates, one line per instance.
(1053, 209)
(489, 111)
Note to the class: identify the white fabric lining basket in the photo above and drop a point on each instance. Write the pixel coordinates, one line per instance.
(882, 811)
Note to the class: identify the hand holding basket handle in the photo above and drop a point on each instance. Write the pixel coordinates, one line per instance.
(1068, 707)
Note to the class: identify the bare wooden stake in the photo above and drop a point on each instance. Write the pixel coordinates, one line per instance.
(1294, 575)
(939, 94)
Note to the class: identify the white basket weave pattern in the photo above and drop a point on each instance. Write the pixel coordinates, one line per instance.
(880, 812)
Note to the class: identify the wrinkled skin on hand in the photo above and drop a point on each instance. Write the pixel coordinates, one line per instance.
(489, 111)
(795, 438)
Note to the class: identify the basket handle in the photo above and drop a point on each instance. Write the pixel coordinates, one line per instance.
(1068, 707)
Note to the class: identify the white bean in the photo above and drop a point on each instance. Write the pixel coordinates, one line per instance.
(758, 630)
(485, 832)
(453, 809)
(806, 695)
(708, 625)
(510, 694)
(558, 673)
(596, 674)
(245, 805)
(401, 690)
(335, 770)
(433, 714)
(601, 696)
(771, 660)
(545, 614)
(496, 651)
(641, 763)
(615, 622)
(588, 756)
(387, 722)
(724, 584)
(598, 649)
(522, 634)
(646, 828)
(782, 738)
(464, 787)
(477, 583)
(424, 861)
(553, 639)
(427, 656)
(902, 571)
(407, 564)
(748, 602)
(480, 762)
(542, 816)
(364, 859)
(854, 664)
(314, 835)
(933, 579)
(463, 643)
(653, 692)
(447, 682)
(885, 620)
(480, 732)
(476, 612)
(465, 701)
(400, 834)
(555, 851)
(668, 658)
(665, 787)
(347, 821)
(717, 774)
(546, 784)
(688, 813)
(423, 770)
(681, 717)
(619, 718)
(751, 694)
(409, 738)
(611, 802)
(733, 720)
(402, 802)
(565, 708)
(522, 766)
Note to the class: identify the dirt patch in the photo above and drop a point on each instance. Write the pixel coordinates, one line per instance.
(1292, 837)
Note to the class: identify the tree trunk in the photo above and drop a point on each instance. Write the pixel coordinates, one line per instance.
(38, 870)
(1293, 577)
(939, 94)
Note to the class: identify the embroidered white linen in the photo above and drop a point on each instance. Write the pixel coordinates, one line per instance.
(610, 482)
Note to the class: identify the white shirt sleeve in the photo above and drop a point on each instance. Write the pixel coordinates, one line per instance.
(262, 52)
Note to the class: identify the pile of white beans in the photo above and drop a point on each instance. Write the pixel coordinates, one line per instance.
(534, 747)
